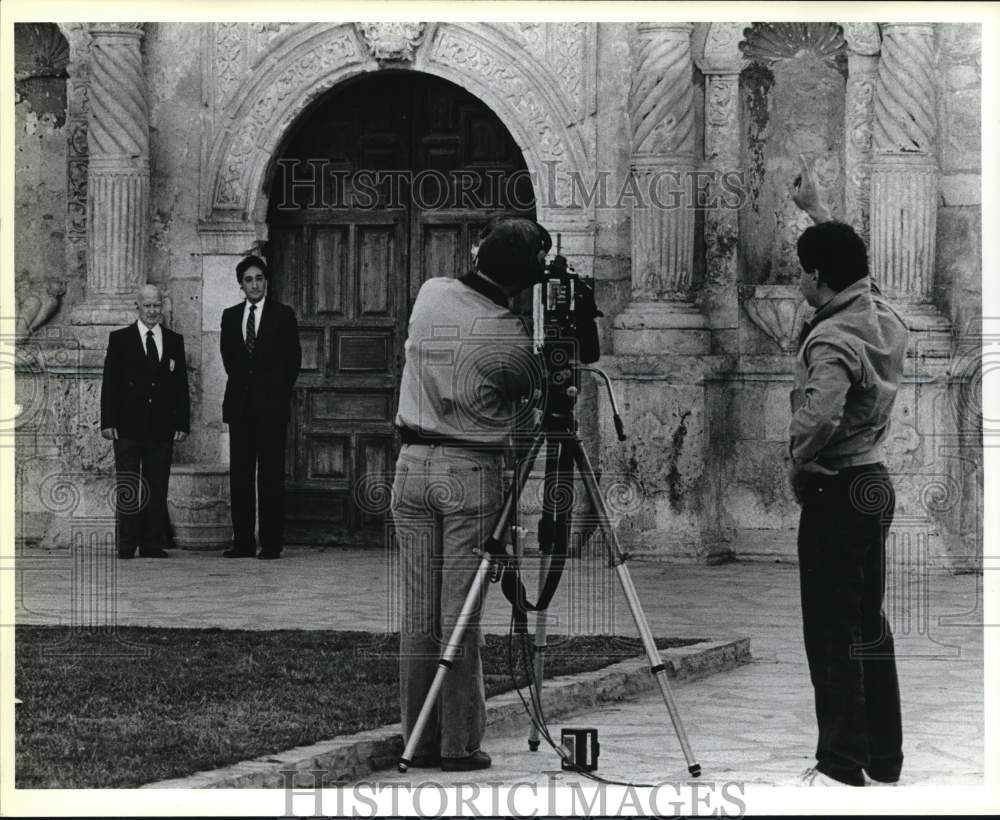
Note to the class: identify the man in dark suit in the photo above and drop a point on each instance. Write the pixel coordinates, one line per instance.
(261, 354)
(144, 409)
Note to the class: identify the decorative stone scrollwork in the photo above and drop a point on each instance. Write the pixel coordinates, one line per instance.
(230, 60)
(722, 48)
(862, 38)
(507, 79)
(232, 183)
(77, 151)
(392, 41)
(859, 106)
(563, 48)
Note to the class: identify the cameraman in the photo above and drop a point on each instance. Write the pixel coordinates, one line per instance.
(468, 363)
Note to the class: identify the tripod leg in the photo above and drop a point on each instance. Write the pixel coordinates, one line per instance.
(540, 646)
(618, 561)
(445, 663)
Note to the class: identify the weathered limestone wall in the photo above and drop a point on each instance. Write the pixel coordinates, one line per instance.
(40, 57)
(959, 283)
(174, 78)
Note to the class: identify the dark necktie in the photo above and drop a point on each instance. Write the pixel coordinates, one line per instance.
(251, 330)
(151, 356)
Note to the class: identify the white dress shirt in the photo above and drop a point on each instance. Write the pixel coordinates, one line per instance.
(256, 317)
(157, 337)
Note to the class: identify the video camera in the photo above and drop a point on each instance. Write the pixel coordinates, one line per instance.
(568, 308)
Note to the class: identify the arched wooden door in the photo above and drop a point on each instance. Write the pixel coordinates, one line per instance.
(383, 184)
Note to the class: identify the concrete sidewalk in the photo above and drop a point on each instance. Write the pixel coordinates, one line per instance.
(754, 724)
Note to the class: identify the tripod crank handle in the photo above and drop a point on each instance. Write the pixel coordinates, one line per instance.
(620, 428)
(695, 770)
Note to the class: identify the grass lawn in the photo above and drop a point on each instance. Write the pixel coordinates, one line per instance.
(143, 704)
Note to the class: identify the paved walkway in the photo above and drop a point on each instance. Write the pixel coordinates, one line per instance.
(754, 724)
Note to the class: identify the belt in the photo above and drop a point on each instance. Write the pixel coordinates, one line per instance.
(410, 436)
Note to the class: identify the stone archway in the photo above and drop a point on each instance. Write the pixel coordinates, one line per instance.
(305, 62)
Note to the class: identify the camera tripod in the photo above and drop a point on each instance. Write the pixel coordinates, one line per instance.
(565, 452)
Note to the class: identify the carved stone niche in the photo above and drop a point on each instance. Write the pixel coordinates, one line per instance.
(792, 96)
(392, 42)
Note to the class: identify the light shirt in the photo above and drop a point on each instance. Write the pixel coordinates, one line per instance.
(157, 337)
(468, 362)
(847, 375)
(256, 317)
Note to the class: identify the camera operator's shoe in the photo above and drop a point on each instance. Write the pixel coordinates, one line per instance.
(469, 763)
(814, 777)
(427, 761)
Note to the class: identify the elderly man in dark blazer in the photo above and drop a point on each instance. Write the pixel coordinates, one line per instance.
(262, 356)
(144, 409)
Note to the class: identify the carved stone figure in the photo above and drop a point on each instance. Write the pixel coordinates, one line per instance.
(37, 302)
(392, 41)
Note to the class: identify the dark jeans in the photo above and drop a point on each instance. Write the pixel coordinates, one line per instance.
(842, 532)
(257, 462)
(142, 475)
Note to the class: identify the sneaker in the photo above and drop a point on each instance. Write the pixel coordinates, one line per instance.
(814, 777)
(871, 781)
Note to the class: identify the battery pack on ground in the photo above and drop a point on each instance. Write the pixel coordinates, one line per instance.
(582, 749)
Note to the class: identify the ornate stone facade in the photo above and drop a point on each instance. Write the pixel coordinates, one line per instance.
(699, 349)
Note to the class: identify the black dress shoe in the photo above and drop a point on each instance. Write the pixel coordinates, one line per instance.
(469, 763)
(126, 555)
(268, 556)
(153, 553)
(429, 761)
(235, 553)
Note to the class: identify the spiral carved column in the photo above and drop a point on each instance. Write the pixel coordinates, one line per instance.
(117, 176)
(661, 108)
(905, 171)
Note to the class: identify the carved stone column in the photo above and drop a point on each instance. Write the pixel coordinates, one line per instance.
(905, 171)
(661, 316)
(863, 45)
(721, 65)
(117, 176)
